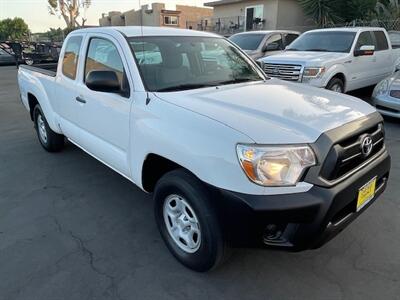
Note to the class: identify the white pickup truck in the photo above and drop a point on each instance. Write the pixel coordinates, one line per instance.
(338, 59)
(232, 157)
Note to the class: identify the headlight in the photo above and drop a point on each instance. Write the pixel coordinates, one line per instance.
(381, 88)
(313, 72)
(275, 165)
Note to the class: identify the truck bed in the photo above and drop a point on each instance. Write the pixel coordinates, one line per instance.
(49, 69)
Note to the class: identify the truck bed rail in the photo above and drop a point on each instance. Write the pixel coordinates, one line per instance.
(45, 69)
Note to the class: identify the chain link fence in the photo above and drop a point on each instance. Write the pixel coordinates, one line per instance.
(231, 25)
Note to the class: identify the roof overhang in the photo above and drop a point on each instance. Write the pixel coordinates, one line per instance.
(222, 2)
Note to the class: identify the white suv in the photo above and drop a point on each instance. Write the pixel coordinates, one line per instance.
(338, 59)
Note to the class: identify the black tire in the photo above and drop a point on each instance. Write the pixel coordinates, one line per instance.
(54, 141)
(334, 84)
(212, 248)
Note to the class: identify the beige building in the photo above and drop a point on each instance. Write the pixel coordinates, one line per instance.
(156, 15)
(246, 15)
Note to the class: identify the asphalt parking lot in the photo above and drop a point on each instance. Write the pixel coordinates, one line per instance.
(70, 228)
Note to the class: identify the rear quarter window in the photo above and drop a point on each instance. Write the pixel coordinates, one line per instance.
(395, 39)
(381, 41)
(71, 56)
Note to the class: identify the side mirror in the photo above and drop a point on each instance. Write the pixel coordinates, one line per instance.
(103, 81)
(365, 51)
(271, 47)
(260, 64)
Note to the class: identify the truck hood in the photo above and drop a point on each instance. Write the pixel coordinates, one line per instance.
(306, 58)
(272, 112)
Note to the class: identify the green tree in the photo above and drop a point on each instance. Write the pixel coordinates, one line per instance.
(387, 13)
(13, 29)
(323, 12)
(388, 10)
(351, 10)
(69, 10)
(55, 35)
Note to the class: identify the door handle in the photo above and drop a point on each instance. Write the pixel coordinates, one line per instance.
(81, 100)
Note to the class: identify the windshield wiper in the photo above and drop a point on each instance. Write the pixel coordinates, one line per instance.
(318, 50)
(188, 86)
(237, 80)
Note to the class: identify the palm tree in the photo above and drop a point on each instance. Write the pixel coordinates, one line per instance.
(390, 10)
(323, 12)
(388, 13)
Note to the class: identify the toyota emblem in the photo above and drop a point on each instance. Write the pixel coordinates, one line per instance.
(366, 145)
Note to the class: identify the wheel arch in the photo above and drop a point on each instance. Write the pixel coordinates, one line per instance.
(341, 76)
(32, 102)
(154, 167)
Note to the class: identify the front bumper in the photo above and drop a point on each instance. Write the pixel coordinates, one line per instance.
(307, 220)
(387, 105)
(298, 221)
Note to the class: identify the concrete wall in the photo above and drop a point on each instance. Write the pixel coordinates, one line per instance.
(192, 14)
(239, 9)
(132, 17)
(153, 16)
(116, 19)
(105, 21)
(291, 16)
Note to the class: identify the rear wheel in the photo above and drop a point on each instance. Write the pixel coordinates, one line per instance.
(50, 140)
(336, 85)
(188, 221)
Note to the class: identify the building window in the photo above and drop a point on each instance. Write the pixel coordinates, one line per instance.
(171, 20)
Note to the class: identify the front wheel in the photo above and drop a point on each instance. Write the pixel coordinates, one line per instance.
(50, 140)
(336, 85)
(188, 222)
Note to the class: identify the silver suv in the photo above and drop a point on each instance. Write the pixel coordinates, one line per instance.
(258, 44)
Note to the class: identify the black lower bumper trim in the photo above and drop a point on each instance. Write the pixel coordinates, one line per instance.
(298, 221)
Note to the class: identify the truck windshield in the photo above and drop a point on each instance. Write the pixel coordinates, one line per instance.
(249, 41)
(172, 63)
(324, 41)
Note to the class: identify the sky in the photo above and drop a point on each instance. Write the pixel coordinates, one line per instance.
(36, 15)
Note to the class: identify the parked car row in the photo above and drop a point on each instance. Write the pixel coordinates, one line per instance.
(233, 158)
(338, 59)
(28, 53)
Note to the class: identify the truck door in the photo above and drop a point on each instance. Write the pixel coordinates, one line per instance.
(64, 101)
(362, 67)
(104, 116)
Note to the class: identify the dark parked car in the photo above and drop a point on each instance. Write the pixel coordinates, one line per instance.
(6, 57)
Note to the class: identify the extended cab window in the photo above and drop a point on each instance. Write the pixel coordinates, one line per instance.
(381, 41)
(71, 55)
(102, 55)
(365, 39)
(395, 39)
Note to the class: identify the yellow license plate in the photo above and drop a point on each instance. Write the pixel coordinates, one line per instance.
(366, 193)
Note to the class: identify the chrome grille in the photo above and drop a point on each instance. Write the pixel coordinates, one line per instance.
(284, 72)
(347, 155)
